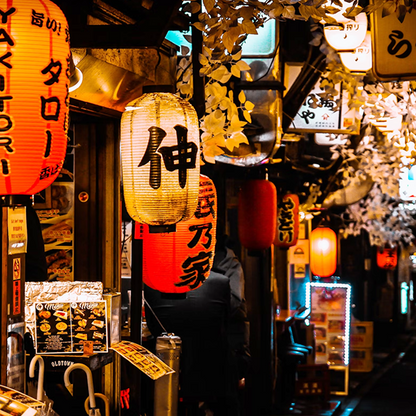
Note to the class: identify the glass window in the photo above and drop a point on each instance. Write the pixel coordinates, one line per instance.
(262, 44)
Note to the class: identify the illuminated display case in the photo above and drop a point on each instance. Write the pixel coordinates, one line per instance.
(330, 306)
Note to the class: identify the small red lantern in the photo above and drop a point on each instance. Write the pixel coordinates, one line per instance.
(323, 256)
(181, 261)
(257, 212)
(287, 227)
(387, 258)
(34, 95)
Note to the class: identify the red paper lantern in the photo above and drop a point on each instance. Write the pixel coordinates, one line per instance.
(181, 261)
(34, 50)
(323, 256)
(257, 211)
(387, 258)
(287, 225)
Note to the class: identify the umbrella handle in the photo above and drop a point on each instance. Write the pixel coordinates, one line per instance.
(41, 377)
(101, 396)
(90, 381)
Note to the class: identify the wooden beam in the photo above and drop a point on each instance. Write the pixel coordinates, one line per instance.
(149, 30)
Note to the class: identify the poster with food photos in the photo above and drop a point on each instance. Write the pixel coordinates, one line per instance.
(15, 403)
(330, 315)
(64, 327)
(143, 359)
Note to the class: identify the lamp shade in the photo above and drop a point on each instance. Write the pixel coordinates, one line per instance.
(387, 258)
(360, 59)
(34, 54)
(323, 255)
(160, 159)
(257, 211)
(348, 34)
(287, 224)
(181, 261)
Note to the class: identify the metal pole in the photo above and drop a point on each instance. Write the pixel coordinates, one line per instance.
(168, 349)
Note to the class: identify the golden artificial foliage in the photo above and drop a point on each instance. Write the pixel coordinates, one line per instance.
(225, 25)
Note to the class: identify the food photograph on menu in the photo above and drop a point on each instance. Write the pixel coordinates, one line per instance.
(64, 327)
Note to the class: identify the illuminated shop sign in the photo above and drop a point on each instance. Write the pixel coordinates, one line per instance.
(330, 305)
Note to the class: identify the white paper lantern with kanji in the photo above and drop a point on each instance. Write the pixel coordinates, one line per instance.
(360, 60)
(348, 34)
(160, 159)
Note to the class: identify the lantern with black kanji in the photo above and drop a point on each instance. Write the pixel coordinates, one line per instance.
(359, 61)
(323, 255)
(34, 68)
(287, 224)
(160, 159)
(257, 211)
(387, 258)
(181, 261)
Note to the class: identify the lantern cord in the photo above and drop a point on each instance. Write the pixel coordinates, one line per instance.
(154, 314)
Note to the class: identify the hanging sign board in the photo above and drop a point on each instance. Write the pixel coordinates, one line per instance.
(394, 46)
(17, 230)
(330, 305)
(321, 114)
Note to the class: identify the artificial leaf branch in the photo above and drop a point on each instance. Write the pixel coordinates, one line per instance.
(225, 25)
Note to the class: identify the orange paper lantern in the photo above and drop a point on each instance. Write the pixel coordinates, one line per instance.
(34, 67)
(181, 261)
(387, 258)
(160, 159)
(257, 211)
(323, 256)
(287, 225)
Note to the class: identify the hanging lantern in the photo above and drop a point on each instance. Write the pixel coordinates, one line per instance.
(160, 159)
(387, 258)
(287, 225)
(257, 212)
(34, 95)
(323, 256)
(181, 261)
(360, 60)
(346, 34)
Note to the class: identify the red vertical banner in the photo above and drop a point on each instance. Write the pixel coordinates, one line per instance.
(287, 224)
(16, 298)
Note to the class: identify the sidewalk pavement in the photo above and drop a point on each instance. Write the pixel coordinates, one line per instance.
(384, 358)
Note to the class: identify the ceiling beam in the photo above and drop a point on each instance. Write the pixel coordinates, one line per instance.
(149, 30)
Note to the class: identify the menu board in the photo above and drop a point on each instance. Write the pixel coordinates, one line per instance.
(330, 313)
(64, 327)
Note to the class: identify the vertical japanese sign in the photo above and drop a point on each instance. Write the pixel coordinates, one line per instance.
(330, 305)
(394, 46)
(17, 230)
(287, 221)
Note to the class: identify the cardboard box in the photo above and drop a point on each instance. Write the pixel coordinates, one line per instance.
(361, 359)
(361, 335)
